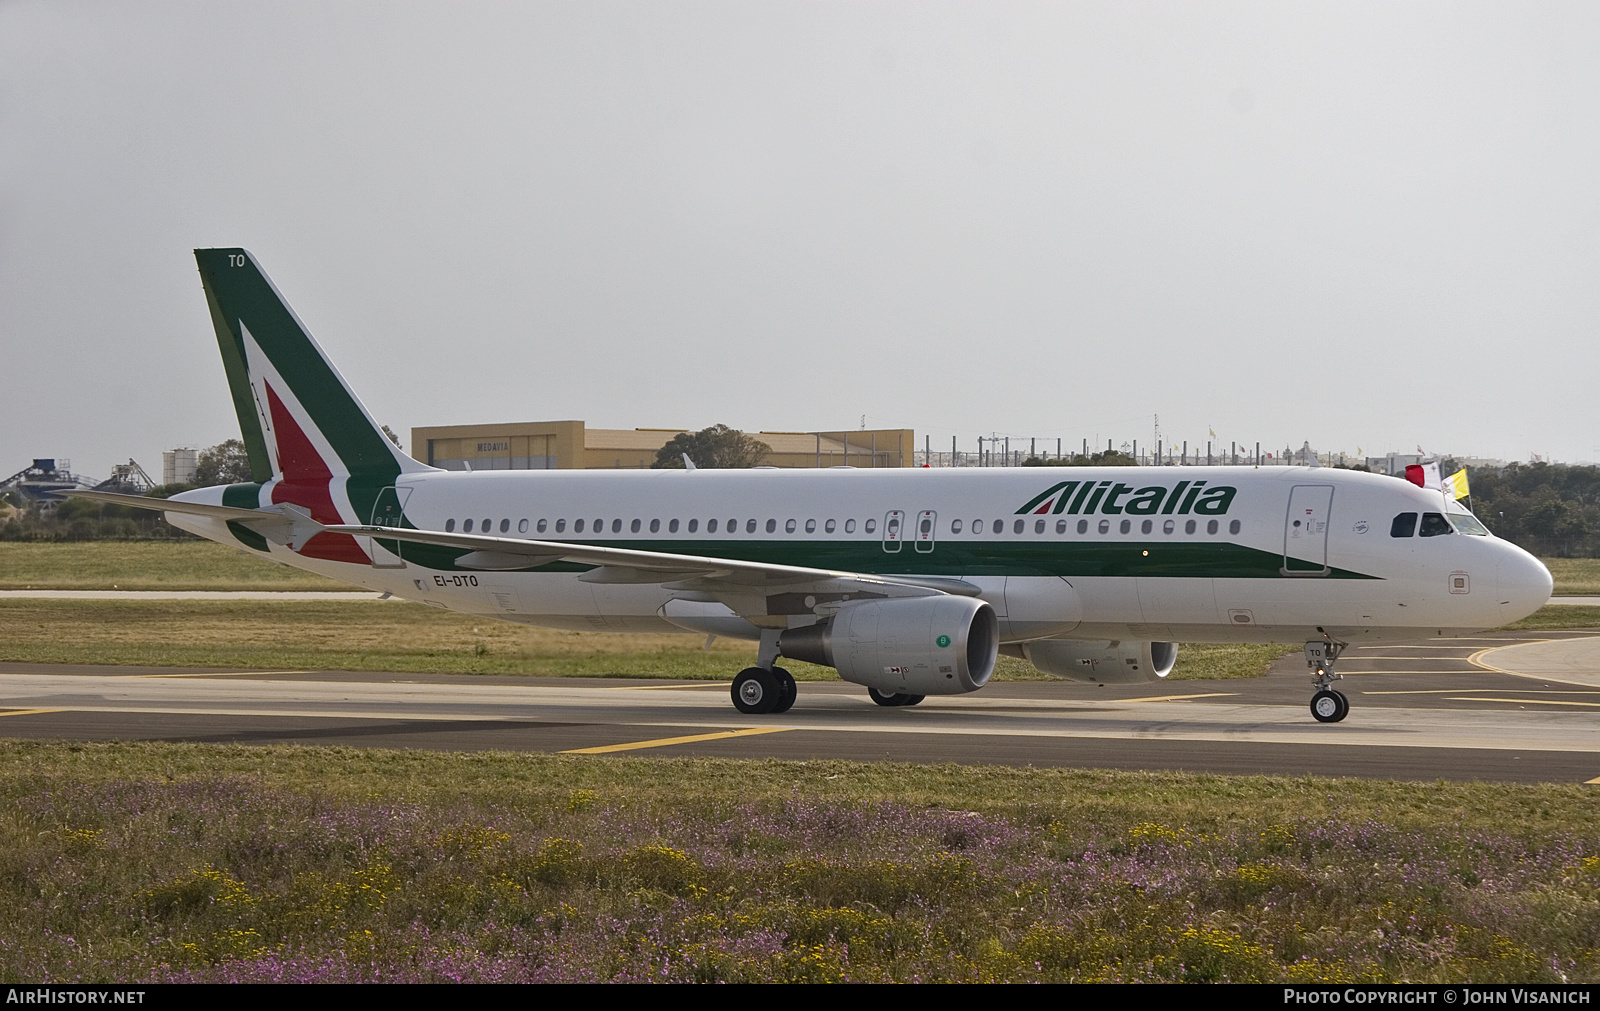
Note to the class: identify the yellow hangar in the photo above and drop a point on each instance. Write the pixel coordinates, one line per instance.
(569, 445)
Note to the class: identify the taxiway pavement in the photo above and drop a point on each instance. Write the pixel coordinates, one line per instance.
(1503, 706)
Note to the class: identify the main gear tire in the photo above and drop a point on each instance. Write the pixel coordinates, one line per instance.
(756, 692)
(788, 691)
(893, 698)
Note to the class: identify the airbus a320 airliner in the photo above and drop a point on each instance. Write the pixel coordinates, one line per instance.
(909, 582)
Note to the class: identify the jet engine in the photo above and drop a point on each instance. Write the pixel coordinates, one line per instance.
(1105, 663)
(944, 645)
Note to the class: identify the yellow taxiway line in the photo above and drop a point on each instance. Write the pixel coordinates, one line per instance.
(663, 742)
(26, 712)
(657, 688)
(1447, 691)
(222, 674)
(1536, 702)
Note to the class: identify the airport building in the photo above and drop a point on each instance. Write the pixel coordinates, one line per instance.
(570, 445)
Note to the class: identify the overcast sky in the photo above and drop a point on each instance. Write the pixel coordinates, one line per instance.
(1363, 225)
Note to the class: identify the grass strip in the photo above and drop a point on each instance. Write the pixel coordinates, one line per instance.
(176, 862)
(398, 636)
(148, 565)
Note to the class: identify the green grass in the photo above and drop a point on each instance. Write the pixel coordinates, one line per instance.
(1560, 616)
(147, 565)
(1574, 576)
(186, 862)
(401, 636)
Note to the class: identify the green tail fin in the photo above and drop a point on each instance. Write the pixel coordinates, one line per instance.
(299, 419)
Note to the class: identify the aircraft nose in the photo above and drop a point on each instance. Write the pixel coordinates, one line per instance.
(1525, 583)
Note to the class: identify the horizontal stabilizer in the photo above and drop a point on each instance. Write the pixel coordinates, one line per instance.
(165, 505)
(283, 524)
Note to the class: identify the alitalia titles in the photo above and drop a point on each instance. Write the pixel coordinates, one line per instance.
(1086, 498)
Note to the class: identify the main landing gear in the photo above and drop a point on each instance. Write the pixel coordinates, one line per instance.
(1327, 705)
(760, 690)
(895, 699)
(766, 687)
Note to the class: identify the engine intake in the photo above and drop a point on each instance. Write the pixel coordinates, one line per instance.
(1105, 663)
(943, 645)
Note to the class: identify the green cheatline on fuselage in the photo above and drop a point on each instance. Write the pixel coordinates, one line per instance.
(949, 558)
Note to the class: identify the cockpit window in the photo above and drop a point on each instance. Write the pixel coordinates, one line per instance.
(1435, 525)
(1404, 525)
(1467, 523)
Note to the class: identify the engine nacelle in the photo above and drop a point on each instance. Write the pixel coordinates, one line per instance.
(1104, 663)
(943, 645)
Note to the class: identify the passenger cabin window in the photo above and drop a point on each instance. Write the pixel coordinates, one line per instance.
(872, 525)
(1126, 525)
(1038, 526)
(811, 526)
(1083, 526)
(772, 526)
(693, 525)
(1211, 527)
(1435, 525)
(672, 526)
(1016, 527)
(616, 526)
(486, 525)
(450, 525)
(750, 526)
(955, 526)
(789, 526)
(711, 526)
(577, 526)
(466, 527)
(655, 526)
(505, 526)
(1105, 526)
(999, 526)
(561, 525)
(522, 526)
(850, 526)
(1061, 526)
(543, 525)
(1146, 526)
(1233, 527)
(827, 527)
(1404, 525)
(634, 526)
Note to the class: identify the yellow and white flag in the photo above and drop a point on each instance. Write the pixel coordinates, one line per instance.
(1456, 484)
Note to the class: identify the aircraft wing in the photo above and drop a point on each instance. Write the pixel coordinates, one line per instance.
(747, 587)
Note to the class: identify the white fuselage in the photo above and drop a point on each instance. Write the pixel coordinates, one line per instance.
(1083, 568)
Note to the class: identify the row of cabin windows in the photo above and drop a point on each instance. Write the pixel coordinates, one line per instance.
(830, 526)
(1104, 526)
(637, 526)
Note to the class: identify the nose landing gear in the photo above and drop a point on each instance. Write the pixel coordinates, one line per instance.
(1327, 705)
